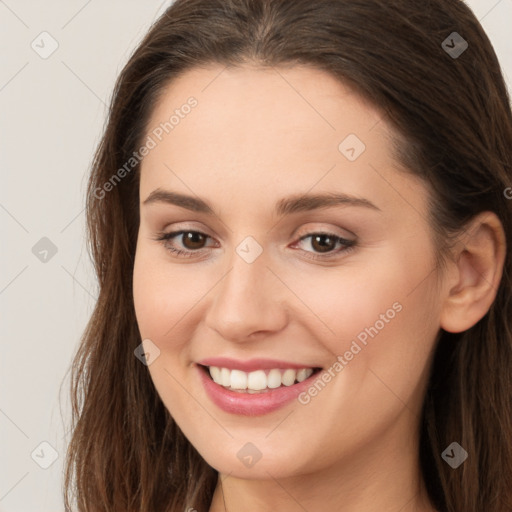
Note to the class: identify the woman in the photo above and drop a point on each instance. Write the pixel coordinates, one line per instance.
(299, 215)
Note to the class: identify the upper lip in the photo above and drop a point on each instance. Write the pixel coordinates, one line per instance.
(252, 364)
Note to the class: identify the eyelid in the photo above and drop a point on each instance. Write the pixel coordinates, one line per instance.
(323, 227)
(348, 235)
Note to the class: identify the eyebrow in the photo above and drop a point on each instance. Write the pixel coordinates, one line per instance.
(285, 206)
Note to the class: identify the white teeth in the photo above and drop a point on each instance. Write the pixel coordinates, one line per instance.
(258, 380)
(274, 378)
(215, 373)
(288, 377)
(238, 379)
(225, 377)
(302, 374)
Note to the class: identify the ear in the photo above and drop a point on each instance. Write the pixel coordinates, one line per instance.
(474, 275)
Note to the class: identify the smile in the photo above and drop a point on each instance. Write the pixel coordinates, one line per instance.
(233, 390)
(259, 381)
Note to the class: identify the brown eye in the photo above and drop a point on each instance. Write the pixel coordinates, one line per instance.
(193, 240)
(184, 243)
(326, 245)
(323, 243)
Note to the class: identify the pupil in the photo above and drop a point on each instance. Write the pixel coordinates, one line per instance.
(192, 239)
(322, 247)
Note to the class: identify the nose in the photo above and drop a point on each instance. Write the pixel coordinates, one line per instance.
(250, 299)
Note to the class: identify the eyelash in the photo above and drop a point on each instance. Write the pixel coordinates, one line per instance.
(163, 237)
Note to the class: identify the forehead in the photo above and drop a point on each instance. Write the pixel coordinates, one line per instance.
(248, 101)
(267, 132)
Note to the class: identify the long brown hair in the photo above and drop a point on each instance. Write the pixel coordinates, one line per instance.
(454, 119)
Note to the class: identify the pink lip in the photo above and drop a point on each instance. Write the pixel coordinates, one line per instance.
(252, 364)
(257, 404)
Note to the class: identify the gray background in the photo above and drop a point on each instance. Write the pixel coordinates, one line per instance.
(52, 112)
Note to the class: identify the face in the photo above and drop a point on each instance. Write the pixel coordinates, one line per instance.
(347, 286)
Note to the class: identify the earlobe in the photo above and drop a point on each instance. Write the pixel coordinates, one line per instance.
(477, 269)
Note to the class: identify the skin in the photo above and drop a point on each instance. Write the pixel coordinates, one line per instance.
(256, 136)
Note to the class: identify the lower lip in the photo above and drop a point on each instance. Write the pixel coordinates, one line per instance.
(257, 404)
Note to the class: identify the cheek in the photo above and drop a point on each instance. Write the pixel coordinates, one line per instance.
(387, 325)
(147, 296)
(379, 313)
(161, 302)
(162, 293)
(348, 303)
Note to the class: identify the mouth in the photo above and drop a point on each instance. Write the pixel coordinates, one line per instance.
(257, 381)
